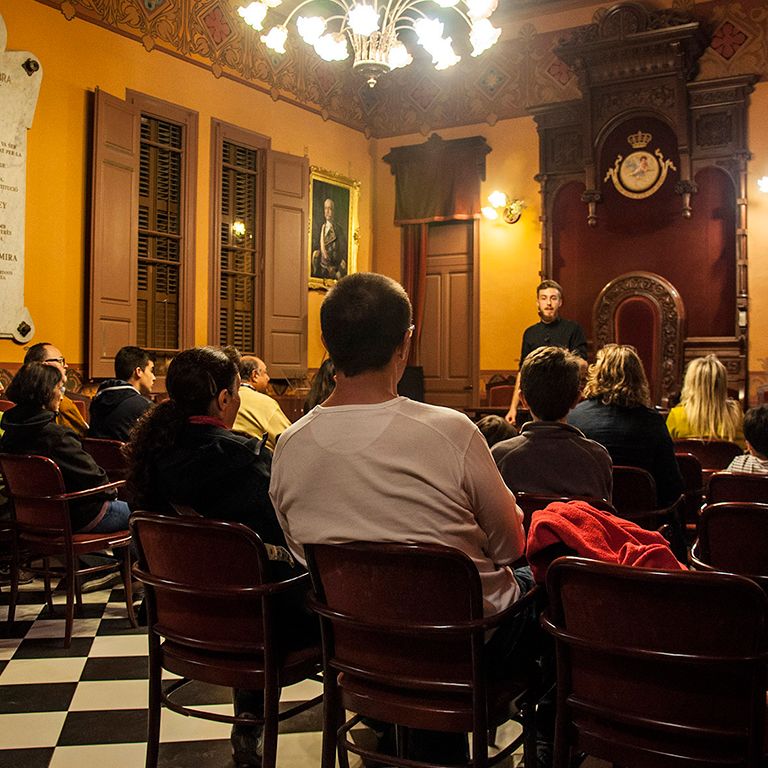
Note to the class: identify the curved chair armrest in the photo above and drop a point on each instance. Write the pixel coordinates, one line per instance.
(74, 495)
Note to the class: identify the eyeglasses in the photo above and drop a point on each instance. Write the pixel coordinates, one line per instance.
(55, 360)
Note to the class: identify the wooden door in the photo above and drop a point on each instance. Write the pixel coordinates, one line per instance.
(448, 342)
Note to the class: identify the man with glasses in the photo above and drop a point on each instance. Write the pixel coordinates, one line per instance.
(69, 415)
(259, 414)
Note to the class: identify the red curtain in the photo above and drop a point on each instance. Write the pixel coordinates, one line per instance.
(414, 269)
(434, 181)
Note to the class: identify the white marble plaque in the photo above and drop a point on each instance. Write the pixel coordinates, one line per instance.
(20, 77)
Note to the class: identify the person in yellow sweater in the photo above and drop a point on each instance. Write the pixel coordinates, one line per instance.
(69, 415)
(705, 410)
(259, 414)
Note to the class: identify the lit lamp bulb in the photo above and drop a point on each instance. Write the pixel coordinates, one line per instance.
(497, 199)
(363, 19)
(275, 39)
(238, 228)
(762, 184)
(311, 28)
(490, 213)
(254, 14)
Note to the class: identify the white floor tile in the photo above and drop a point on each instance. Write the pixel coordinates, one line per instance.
(301, 750)
(38, 729)
(60, 598)
(27, 612)
(119, 645)
(115, 611)
(55, 628)
(22, 671)
(8, 647)
(174, 727)
(303, 691)
(110, 694)
(112, 755)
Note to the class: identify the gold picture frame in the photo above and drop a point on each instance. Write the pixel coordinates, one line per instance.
(333, 227)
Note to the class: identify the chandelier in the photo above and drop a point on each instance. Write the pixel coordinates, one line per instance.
(372, 27)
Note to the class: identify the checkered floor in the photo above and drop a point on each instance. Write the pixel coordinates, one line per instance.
(86, 705)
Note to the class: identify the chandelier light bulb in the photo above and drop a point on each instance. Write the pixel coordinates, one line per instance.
(363, 19)
(428, 31)
(483, 36)
(332, 47)
(399, 56)
(254, 14)
(447, 3)
(275, 39)
(311, 28)
(481, 9)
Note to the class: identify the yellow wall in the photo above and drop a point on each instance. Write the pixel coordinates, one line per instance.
(510, 258)
(77, 57)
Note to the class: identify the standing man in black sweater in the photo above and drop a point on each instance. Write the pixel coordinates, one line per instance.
(551, 331)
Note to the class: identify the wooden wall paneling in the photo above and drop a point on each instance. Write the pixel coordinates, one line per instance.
(286, 265)
(114, 232)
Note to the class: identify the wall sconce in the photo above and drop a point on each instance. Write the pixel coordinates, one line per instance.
(762, 184)
(501, 207)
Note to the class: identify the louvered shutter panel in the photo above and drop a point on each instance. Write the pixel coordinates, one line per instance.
(285, 265)
(113, 232)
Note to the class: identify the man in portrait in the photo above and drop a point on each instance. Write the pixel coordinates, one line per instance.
(329, 245)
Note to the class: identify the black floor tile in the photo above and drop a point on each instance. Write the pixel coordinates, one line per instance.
(17, 630)
(52, 647)
(26, 758)
(116, 668)
(183, 754)
(52, 697)
(25, 597)
(115, 726)
(119, 627)
(89, 611)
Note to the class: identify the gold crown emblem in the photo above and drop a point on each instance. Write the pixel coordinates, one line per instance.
(639, 140)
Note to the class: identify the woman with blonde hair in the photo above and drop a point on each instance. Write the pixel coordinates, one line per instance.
(705, 410)
(617, 413)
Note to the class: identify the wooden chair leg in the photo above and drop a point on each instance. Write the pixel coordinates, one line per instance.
(47, 584)
(71, 578)
(331, 721)
(125, 567)
(14, 596)
(271, 724)
(155, 705)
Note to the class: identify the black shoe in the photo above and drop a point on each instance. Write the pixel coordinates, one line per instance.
(247, 743)
(25, 577)
(543, 753)
(93, 582)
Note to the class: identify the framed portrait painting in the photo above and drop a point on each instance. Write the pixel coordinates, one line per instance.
(333, 227)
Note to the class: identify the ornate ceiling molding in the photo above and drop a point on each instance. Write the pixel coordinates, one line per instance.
(503, 83)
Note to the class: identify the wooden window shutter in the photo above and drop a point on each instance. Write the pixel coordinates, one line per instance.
(285, 265)
(114, 212)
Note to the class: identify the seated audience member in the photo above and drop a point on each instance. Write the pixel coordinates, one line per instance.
(755, 460)
(370, 465)
(551, 457)
(322, 385)
(259, 413)
(617, 414)
(705, 410)
(120, 402)
(495, 429)
(184, 452)
(30, 428)
(68, 415)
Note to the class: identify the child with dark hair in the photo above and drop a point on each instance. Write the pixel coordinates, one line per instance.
(755, 460)
(495, 429)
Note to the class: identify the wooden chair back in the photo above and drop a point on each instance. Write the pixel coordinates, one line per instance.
(693, 485)
(658, 668)
(733, 537)
(108, 454)
(712, 454)
(737, 486)
(404, 643)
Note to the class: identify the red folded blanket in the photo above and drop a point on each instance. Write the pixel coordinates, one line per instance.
(588, 532)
